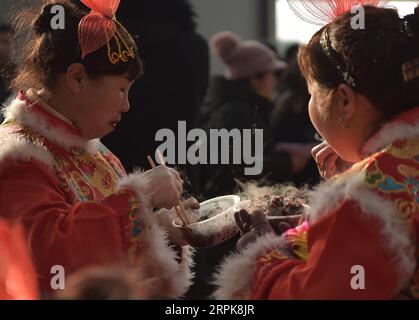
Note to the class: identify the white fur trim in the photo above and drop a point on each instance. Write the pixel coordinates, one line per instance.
(329, 195)
(353, 186)
(160, 272)
(389, 133)
(17, 148)
(20, 111)
(138, 183)
(236, 271)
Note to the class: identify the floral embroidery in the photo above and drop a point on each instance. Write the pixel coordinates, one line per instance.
(297, 241)
(82, 175)
(404, 149)
(399, 184)
(273, 255)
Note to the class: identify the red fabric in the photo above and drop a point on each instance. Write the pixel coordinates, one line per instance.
(98, 27)
(52, 120)
(17, 274)
(336, 243)
(105, 7)
(71, 235)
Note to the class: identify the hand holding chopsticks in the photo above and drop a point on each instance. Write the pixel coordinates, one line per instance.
(164, 186)
(179, 209)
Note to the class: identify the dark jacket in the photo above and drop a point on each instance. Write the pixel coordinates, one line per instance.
(4, 91)
(175, 80)
(291, 122)
(229, 105)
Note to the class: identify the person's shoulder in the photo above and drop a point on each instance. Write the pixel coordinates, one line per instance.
(15, 148)
(393, 171)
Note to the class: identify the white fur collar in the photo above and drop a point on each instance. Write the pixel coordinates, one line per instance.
(405, 126)
(236, 271)
(23, 112)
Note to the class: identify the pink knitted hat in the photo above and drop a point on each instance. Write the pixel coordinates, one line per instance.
(243, 58)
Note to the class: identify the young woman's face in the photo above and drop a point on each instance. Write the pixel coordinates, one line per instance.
(105, 99)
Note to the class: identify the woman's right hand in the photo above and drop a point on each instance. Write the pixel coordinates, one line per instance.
(252, 226)
(328, 161)
(166, 218)
(165, 187)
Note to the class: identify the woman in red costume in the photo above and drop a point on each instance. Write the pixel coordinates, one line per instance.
(360, 239)
(77, 205)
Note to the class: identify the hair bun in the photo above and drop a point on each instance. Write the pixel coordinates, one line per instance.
(224, 44)
(43, 22)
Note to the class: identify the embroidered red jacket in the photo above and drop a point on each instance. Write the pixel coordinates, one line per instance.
(361, 238)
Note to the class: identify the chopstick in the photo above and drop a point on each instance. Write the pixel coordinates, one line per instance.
(180, 210)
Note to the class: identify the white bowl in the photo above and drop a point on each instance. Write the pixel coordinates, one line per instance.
(216, 229)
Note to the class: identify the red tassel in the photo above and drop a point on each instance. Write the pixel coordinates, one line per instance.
(322, 12)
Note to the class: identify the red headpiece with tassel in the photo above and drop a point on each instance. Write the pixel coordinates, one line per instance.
(99, 27)
(322, 12)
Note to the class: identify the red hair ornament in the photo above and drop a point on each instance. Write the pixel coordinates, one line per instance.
(99, 28)
(323, 12)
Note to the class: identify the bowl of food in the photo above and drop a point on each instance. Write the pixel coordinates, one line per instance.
(282, 212)
(212, 224)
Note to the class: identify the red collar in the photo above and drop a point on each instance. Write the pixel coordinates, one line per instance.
(52, 119)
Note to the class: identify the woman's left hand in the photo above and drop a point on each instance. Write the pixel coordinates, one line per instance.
(328, 161)
(165, 218)
(251, 227)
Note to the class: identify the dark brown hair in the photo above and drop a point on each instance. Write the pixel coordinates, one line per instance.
(45, 53)
(373, 57)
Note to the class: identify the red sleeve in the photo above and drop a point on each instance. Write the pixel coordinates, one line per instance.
(71, 235)
(337, 242)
